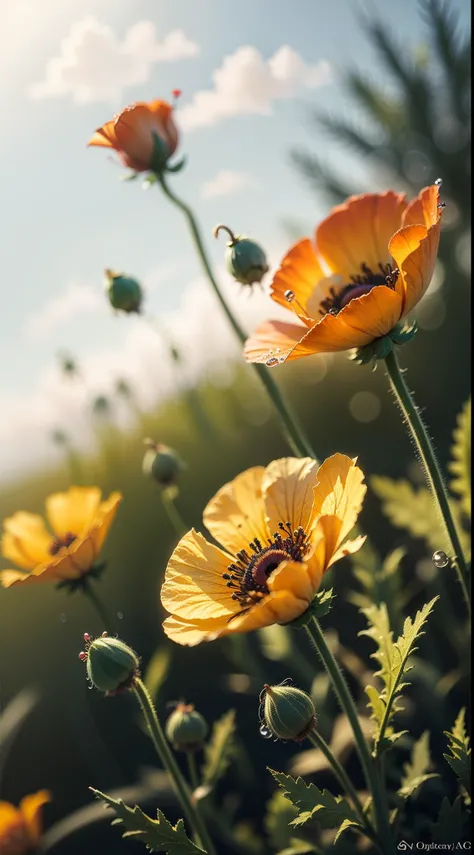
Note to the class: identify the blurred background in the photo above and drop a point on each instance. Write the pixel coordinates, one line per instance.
(286, 109)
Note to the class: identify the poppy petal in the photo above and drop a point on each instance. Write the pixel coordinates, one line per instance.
(273, 341)
(374, 314)
(425, 209)
(339, 492)
(288, 486)
(236, 514)
(73, 512)
(104, 136)
(30, 808)
(299, 272)
(191, 633)
(414, 249)
(26, 540)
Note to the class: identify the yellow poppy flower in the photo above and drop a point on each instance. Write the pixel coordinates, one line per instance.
(21, 828)
(79, 523)
(370, 263)
(281, 527)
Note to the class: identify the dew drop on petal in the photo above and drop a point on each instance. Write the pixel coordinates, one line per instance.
(440, 559)
(438, 182)
(289, 296)
(273, 361)
(265, 732)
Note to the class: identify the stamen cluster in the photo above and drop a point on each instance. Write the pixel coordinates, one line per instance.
(360, 283)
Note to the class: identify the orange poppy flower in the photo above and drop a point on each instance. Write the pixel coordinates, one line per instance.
(20, 828)
(281, 527)
(79, 523)
(133, 134)
(370, 264)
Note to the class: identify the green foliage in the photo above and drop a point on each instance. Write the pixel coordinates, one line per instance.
(380, 580)
(158, 835)
(460, 465)
(219, 750)
(157, 671)
(392, 657)
(415, 772)
(450, 822)
(279, 814)
(315, 804)
(459, 757)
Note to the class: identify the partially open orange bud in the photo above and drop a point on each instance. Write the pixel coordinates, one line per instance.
(144, 135)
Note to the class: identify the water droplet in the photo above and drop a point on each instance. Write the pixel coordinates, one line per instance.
(438, 182)
(289, 296)
(440, 559)
(63, 617)
(120, 615)
(272, 361)
(442, 205)
(265, 732)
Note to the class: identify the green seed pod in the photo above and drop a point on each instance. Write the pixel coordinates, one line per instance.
(246, 261)
(111, 665)
(286, 713)
(124, 292)
(186, 729)
(162, 463)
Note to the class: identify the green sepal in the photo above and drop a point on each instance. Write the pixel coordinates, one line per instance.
(319, 607)
(381, 347)
(80, 584)
(178, 166)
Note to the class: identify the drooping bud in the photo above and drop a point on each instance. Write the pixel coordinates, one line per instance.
(186, 729)
(111, 665)
(125, 293)
(162, 463)
(245, 259)
(286, 712)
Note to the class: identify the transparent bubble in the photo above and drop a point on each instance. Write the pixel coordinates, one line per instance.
(273, 361)
(120, 615)
(440, 559)
(63, 617)
(289, 296)
(265, 732)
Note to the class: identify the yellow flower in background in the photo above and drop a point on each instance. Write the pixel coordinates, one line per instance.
(281, 527)
(370, 263)
(79, 522)
(21, 828)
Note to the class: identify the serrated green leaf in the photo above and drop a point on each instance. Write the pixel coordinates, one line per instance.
(460, 465)
(315, 804)
(414, 510)
(279, 813)
(158, 835)
(459, 757)
(415, 772)
(218, 751)
(450, 822)
(393, 659)
(344, 826)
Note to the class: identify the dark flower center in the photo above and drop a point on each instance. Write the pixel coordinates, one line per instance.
(60, 542)
(249, 573)
(360, 284)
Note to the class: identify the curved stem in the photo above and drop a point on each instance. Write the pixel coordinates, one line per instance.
(342, 778)
(173, 514)
(346, 701)
(291, 427)
(432, 468)
(192, 769)
(98, 605)
(169, 762)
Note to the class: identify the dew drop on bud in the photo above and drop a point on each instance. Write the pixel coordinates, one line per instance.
(271, 362)
(104, 635)
(440, 559)
(289, 296)
(265, 732)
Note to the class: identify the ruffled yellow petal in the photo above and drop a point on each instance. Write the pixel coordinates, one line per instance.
(12, 577)
(358, 231)
(339, 492)
(103, 520)
(26, 540)
(236, 514)
(294, 578)
(30, 808)
(288, 492)
(191, 633)
(348, 548)
(374, 314)
(277, 607)
(73, 512)
(424, 209)
(273, 342)
(194, 588)
(9, 815)
(414, 249)
(299, 272)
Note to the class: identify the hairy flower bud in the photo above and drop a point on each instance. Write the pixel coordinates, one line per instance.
(245, 260)
(286, 713)
(124, 292)
(111, 665)
(186, 729)
(162, 463)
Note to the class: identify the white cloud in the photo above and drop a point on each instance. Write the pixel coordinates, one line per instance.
(246, 83)
(75, 300)
(226, 183)
(93, 64)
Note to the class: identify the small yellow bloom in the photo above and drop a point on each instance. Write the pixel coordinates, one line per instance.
(281, 527)
(21, 828)
(79, 522)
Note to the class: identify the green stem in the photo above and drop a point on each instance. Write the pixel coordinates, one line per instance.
(342, 778)
(98, 605)
(192, 769)
(291, 428)
(346, 701)
(433, 472)
(173, 514)
(169, 762)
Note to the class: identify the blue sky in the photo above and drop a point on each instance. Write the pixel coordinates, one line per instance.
(65, 215)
